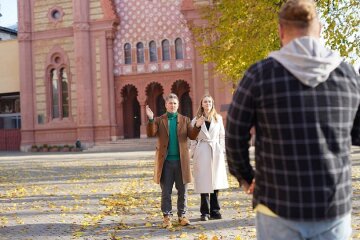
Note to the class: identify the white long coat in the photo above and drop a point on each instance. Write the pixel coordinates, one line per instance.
(208, 151)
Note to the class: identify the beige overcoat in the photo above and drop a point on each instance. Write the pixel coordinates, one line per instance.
(208, 158)
(159, 128)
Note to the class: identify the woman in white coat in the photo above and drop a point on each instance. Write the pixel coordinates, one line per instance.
(208, 159)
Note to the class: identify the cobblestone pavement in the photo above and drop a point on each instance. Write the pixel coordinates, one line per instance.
(112, 196)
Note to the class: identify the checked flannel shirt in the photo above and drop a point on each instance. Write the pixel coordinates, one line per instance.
(303, 140)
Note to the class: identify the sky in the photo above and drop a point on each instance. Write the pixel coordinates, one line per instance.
(8, 9)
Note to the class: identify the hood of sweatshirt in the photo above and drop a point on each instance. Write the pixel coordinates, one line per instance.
(308, 60)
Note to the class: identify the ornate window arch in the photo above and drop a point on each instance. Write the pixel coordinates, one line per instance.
(153, 51)
(127, 53)
(140, 52)
(165, 44)
(58, 87)
(179, 53)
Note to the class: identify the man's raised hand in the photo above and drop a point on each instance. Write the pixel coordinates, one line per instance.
(149, 113)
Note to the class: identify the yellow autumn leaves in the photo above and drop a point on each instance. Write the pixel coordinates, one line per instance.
(112, 197)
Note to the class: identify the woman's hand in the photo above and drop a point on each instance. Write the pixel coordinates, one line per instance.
(199, 121)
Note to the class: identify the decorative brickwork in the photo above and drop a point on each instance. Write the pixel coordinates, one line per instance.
(96, 10)
(43, 51)
(109, 9)
(42, 8)
(81, 27)
(144, 21)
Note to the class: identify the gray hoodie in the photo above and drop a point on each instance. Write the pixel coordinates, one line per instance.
(308, 60)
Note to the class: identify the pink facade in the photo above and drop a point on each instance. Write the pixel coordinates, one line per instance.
(89, 68)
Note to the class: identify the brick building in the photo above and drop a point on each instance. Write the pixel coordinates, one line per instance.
(89, 67)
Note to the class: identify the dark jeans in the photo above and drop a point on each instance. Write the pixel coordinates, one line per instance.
(210, 206)
(172, 173)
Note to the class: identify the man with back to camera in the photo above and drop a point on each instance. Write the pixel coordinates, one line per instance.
(302, 100)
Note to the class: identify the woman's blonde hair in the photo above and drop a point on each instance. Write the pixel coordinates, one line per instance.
(200, 111)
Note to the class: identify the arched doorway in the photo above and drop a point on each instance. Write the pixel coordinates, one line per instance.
(186, 105)
(182, 89)
(160, 105)
(155, 98)
(131, 112)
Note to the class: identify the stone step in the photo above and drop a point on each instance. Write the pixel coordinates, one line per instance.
(137, 144)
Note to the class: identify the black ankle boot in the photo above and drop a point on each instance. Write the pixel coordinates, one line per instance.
(216, 215)
(204, 217)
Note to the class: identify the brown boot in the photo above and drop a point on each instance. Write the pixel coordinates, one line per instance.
(167, 222)
(184, 221)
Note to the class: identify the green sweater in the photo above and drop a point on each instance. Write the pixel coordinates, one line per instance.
(173, 147)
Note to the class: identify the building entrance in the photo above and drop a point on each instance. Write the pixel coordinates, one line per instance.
(131, 112)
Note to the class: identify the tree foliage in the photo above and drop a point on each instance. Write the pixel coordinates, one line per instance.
(341, 25)
(238, 33)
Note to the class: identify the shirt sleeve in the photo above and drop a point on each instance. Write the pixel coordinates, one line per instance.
(240, 119)
(152, 127)
(192, 142)
(355, 132)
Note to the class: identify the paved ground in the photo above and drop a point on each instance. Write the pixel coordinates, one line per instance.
(111, 196)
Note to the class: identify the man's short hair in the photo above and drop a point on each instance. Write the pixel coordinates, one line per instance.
(171, 96)
(298, 13)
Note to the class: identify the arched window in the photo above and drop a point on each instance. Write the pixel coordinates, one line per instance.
(153, 51)
(58, 85)
(140, 52)
(54, 93)
(64, 93)
(186, 105)
(165, 50)
(59, 93)
(179, 49)
(127, 53)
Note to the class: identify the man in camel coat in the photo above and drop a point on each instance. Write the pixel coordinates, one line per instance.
(172, 160)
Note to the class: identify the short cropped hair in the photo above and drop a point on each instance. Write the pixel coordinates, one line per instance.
(171, 96)
(298, 13)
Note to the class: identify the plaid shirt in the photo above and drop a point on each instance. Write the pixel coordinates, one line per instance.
(303, 140)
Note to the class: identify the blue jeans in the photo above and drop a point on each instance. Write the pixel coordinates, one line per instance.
(276, 228)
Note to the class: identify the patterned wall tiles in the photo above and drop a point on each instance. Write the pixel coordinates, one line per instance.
(146, 20)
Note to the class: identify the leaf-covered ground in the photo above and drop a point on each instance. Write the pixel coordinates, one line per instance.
(112, 196)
